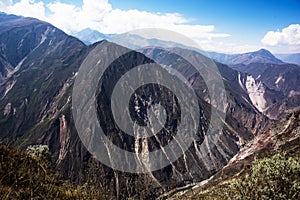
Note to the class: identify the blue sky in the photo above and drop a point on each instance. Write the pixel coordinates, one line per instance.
(224, 26)
(243, 19)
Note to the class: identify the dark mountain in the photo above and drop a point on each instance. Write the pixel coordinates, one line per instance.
(289, 58)
(23, 38)
(260, 56)
(36, 99)
(263, 96)
(39, 65)
(242, 88)
(90, 36)
(273, 86)
(235, 90)
(282, 78)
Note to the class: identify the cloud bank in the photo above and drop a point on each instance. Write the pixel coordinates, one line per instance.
(287, 39)
(101, 16)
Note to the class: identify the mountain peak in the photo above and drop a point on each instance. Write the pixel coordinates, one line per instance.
(264, 52)
(90, 36)
(260, 56)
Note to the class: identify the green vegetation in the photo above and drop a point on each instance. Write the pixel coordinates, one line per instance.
(276, 177)
(29, 175)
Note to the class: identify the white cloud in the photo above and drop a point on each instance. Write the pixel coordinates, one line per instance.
(286, 40)
(99, 15)
(95, 10)
(72, 19)
(120, 21)
(27, 8)
(64, 16)
(4, 4)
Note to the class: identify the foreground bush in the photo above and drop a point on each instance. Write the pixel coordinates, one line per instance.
(28, 175)
(277, 177)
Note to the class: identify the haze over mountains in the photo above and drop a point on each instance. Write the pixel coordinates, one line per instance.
(290, 58)
(89, 36)
(260, 56)
(39, 64)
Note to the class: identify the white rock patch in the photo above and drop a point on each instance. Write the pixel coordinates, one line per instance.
(280, 79)
(9, 87)
(7, 109)
(256, 93)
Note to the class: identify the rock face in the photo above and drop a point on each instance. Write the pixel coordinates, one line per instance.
(272, 84)
(240, 106)
(282, 135)
(281, 85)
(39, 64)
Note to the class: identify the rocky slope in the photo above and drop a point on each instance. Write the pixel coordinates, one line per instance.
(273, 85)
(281, 79)
(239, 102)
(243, 90)
(282, 135)
(39, 64)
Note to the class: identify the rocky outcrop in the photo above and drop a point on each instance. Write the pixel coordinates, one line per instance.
(282, 135)
(64, 138)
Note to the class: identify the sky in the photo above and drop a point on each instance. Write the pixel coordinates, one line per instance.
(229, 26)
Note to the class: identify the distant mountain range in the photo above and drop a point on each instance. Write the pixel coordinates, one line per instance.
(38, 67)
(260, 56)
(289, 58)
(89, 36)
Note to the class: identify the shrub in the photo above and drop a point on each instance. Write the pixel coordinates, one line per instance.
(28, 175)
(276, 177)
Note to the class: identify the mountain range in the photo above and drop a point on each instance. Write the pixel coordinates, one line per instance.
(260, 56)
(89, 36)
(289, 58)
(38, 67)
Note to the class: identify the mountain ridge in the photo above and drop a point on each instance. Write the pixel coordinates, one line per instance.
(39, 64)
(90, 36)
(36, 109)
(259, 56)
(293, 58)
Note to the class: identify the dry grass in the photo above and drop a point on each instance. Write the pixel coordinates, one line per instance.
(23, 176)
